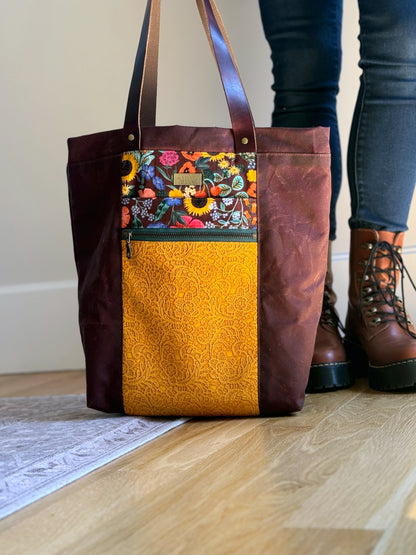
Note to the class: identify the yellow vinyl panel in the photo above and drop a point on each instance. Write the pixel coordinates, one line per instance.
(190, 328)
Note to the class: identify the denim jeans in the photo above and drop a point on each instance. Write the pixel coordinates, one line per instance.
(305, 41)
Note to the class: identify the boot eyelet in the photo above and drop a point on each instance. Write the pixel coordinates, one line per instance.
(371, 311)
(367, 246)
(368, 301)
(375, 321)
(367, 290)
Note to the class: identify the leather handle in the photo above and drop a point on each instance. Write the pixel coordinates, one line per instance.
(141, 105)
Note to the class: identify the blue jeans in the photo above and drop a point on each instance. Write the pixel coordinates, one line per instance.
(305, 41)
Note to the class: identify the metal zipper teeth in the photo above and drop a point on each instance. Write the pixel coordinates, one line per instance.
(226, 235)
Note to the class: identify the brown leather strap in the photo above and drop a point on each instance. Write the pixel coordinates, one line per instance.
(143, 86)
(141, 106)
(240, 113)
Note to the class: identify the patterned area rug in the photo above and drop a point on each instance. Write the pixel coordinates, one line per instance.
(48, 442)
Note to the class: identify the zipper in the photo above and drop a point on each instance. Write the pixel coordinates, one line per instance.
(128, 244)
(175, 234)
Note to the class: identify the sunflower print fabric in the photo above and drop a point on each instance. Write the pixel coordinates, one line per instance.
(224, 198)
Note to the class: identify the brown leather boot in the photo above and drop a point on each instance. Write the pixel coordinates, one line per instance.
(380, 338)
(330, 368)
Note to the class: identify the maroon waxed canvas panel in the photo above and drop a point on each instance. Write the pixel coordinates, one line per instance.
(293, 194)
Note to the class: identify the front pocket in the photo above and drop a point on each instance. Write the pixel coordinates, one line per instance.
(166, 188)
(189, 212)
(150, 173)
(190, 322)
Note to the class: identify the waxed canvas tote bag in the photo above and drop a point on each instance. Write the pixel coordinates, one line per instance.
(200, 252)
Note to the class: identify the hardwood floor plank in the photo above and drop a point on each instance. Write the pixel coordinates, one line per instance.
(42, 383)
(400, 536)
(340, 477)
(369, 479)
(201, 467)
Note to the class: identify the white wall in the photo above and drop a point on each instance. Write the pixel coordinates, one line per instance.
(65, 67)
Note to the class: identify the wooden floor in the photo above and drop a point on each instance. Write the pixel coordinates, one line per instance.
(338, 478)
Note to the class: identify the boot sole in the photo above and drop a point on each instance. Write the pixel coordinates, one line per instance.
(329, 377)
(394, 376)
(389, 377)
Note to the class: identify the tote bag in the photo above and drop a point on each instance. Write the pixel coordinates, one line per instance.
(200, 252)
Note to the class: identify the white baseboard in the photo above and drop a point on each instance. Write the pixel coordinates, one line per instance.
(39, 328)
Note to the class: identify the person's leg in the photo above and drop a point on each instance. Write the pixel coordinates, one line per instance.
(382, 175)
(382, 147)
(305, 41)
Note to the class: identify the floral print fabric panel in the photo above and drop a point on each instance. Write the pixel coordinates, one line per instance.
(223, 197)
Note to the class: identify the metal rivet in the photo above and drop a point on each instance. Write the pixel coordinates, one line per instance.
(244, 140)
(131, 137)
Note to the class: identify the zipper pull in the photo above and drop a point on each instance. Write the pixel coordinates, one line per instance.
(128, 245)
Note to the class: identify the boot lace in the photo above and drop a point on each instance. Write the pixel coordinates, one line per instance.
(382, 291)
(329, 315)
